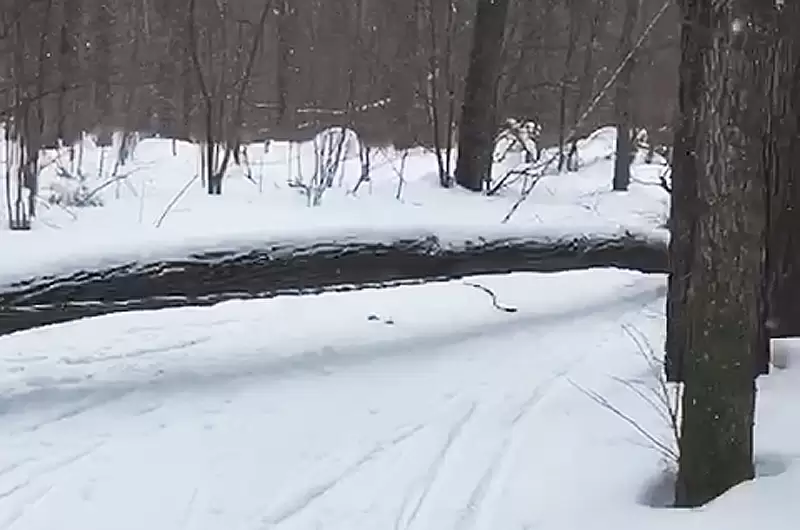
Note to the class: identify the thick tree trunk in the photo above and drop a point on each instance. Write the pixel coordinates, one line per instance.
(283, 268)
(477, 126)
(783, 255)
(726, 277)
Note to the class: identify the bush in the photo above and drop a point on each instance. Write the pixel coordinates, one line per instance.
(72, 190)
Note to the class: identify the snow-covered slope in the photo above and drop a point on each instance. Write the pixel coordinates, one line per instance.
(416, 407)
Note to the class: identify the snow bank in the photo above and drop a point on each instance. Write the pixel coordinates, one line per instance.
(259, 207)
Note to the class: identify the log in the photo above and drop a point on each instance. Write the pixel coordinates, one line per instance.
(208, 278)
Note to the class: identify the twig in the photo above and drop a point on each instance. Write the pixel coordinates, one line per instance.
(655, 443)
(175, 199)
(646, 349)
(646, 398)
(495, 303)
(111, 180)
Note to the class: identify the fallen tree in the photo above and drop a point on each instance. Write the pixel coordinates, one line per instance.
(211, 277)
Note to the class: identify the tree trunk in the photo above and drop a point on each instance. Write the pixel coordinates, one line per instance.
(586, 84)
(623, 155)
(725, 306)
(622, 100)
(573, 34)
(476, 128)
(783, 256)
(684, 190)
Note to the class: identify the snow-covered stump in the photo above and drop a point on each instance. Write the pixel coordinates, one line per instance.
(203, 279)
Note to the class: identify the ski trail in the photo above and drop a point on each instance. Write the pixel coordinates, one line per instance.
(19, 510)
(189, 510)
(299, 364)
(303, 501)
(139, 352)
(91, 403)
(481, 490)
(428, 437)
(13, 466)
(468, 518)
(47, 470)
(435, 468)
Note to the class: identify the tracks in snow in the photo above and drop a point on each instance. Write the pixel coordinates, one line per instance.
(30, 489)
(302, 501)
(455, 446)
(433, 471)
(265, 366)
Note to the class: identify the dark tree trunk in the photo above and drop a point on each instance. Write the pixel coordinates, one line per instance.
(572, 41)
(783, 256)
(684, 189)
(476, 128)
(725, 306)
(623, 155)
(622, 100)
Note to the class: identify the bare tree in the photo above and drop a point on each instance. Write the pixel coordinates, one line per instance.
(129, 66)
(441, 79)
(223, 81)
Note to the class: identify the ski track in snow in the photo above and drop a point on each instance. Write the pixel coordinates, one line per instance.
(454, 425)
(483, 486)
(435, 467)
(33, 478)
(100, 400)
(302, 502)
(47, 391)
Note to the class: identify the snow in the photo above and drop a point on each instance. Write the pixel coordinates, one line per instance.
(415, 407)
(412, 407)
(266, 211)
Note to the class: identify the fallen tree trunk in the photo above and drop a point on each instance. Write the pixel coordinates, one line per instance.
(209, 278)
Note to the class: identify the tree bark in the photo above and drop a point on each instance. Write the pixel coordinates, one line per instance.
(476, 128)
(573, 33)
(684, 189)
(282, 268)
(783, 255)
(725, 303)
(622, 101)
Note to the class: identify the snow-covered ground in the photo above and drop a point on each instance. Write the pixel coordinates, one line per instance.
(415, 407)
(419, 407)
(141, 218)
